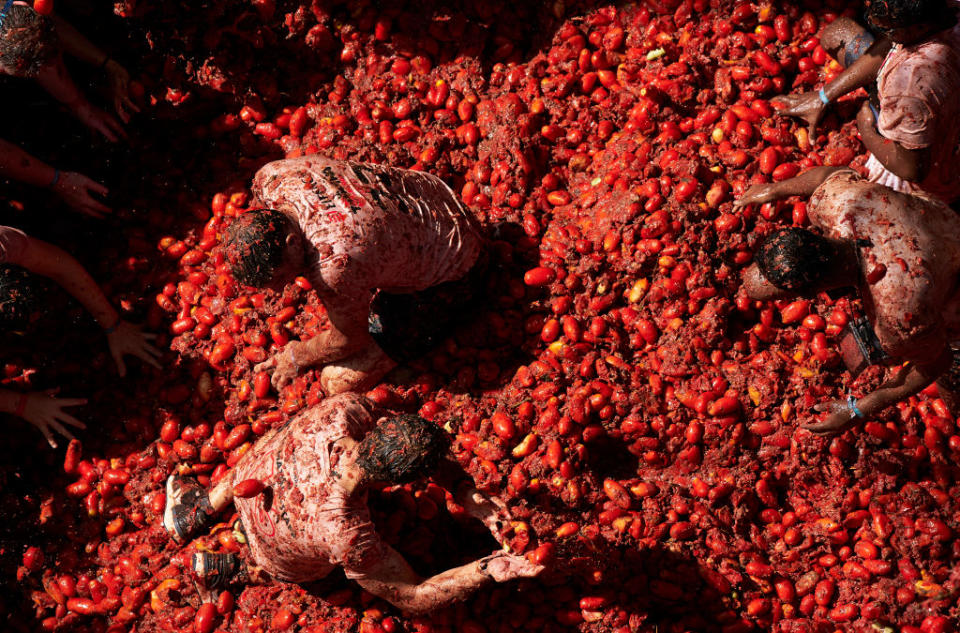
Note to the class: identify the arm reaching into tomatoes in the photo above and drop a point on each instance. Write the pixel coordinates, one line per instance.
(41, 258)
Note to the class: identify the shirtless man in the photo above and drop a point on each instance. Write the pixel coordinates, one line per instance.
(312, 515)
(31, 47)
(911, 68)
(354, 229)
(40, 409)
(899, 253)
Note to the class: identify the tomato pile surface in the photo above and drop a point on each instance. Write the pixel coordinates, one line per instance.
(639, 414)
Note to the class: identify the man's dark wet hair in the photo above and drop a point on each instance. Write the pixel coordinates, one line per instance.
(18, 297)
(28, 41)
(402, 449)
(907, 13)
(795, 259)
(254, 244)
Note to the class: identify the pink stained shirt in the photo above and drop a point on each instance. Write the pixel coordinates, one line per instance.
(914, 249)
(304, 525)
(13, 244)
(919, 90)
(370, 226)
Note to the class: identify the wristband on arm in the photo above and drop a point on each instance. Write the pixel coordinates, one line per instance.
(113, 328)
(103, 64)
(824, 99)
(852, 403)
(56, 178)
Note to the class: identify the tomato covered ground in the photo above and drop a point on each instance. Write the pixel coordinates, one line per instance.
(639, 414)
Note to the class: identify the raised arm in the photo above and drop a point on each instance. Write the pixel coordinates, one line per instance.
(396, 582)
(123, 338)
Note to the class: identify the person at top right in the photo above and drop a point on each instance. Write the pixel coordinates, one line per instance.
(908, 60)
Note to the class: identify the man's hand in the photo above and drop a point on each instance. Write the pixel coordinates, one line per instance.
(129, 339)
(806, 106)
(757, 194)
(76, 190)
(119, 80)
(46, 412)
(840, 416)
(283, 365)
(491, 511)
(504, 567)
(99, 121)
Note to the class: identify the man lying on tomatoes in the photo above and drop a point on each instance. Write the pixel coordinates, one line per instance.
(909, 61)
(31, 46)
(898, 253)
(356, 229)
(16, 301)
(301, 493)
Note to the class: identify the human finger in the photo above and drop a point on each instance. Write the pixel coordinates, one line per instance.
(145, 356)
(59, 428)
(92, 185)
(47, 434)
(121, 367)
(66, 418)
(107, 134)
(149, 336)
(87, 210)
(128, 102)
(71, 402)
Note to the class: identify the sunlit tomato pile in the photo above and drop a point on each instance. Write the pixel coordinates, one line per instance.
(637, 411)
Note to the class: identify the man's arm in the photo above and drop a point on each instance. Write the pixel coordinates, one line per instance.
(910, 164)
(347, 334)
(76, 44)
(909, 380)
(396, 582)
(123, 338)
(809, 106)
(55, 79)
(803, 185)
(75, 189)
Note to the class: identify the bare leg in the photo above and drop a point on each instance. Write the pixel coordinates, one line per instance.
(356, 373)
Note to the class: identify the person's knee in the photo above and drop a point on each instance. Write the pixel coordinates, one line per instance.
(836, 35)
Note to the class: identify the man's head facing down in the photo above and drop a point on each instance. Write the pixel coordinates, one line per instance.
(401, 449)
(797, 260)
(28, 42)
(260, 245)
(899, 18)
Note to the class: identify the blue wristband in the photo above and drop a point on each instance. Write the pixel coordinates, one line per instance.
(56, 178)
(823, 96)
(113, 328)
(852, 403)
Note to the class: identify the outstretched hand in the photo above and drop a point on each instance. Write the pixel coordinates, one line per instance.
(806, 106)
(757, 194)
(99, 121)
(282, 365)
(129, 339)
(491, 511)
(45, 412)
(839, 417)
(119, 80)
(76, 190)
(503, 567)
